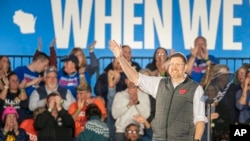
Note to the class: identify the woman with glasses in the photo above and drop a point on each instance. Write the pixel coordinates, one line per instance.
(160, 56)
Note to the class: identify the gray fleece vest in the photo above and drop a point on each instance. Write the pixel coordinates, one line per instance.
(174, 111)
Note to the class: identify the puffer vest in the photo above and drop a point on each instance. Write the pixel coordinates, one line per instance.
(174, 111)
(43, 93)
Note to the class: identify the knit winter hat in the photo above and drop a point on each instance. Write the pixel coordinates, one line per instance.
(9, 110)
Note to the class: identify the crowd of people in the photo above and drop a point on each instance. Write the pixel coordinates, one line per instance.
(172, 98)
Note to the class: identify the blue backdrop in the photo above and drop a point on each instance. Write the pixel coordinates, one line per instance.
(143, 24)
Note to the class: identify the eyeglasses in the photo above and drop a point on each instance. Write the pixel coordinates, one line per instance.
(132, 87)
(132, 131)
(177, 65)
(160, 54)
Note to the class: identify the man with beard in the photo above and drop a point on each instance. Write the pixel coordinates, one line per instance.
(39, 95)
(180, 111)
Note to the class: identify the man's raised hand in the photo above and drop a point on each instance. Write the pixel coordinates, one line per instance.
(115, 48)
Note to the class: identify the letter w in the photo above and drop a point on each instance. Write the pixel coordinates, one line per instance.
(62, 24)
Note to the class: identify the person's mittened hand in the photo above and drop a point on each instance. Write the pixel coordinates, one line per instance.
(115, 48)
